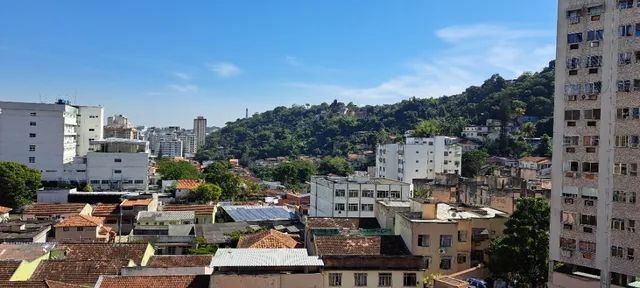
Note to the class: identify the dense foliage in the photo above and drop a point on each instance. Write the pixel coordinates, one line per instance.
(521, 254)
(205, 193)
(472, 161)
(220, 173)
(175, 169)
(202, 247)
(338, 129)
(18, 184)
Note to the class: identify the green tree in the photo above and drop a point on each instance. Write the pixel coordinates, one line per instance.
(202, 247)
(206, 193)
(521, 254)
(472, 161)
(174, 170)
(220, 173)
(18, 184)
(87, 188)
(528, 129)
(427, 128)
(544, 148)
(295, 172)
(334, 165)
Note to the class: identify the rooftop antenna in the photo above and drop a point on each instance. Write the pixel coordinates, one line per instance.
(246, 113)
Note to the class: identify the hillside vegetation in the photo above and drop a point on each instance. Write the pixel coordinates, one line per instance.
(337, 128)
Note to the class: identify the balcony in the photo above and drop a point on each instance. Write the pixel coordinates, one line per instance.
(479, 235)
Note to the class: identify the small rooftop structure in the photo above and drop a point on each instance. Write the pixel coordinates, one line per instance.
(360, 245)
(168, 261)
(151, 217)
(218, 233)
(20, 231)
(267, 239)
(29, 252)
(198, 209)
(160, 281)
(390, 203)
(136, 202)
(120, 145)
(252, 257)
(103, 210)
(250, 213)
(358, 180)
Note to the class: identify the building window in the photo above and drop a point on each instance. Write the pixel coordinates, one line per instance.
(382, 194)
(32, 135)
(335, 279)
(353, 207)
(574, 38)
(624, 85)
(409, 280)
(395, 194)
(590, 167)
(445, 241)
(80, 229)
(571, 115)
(32, 159)
(138, 181)
(462, 258)
(340, 192)
(631, 225)
(617, 251)
(588, 220)
(353, 193)
(625, 30)
(339, 207)
(117, 160)
(624, 58)
(595, 35)
(445, 263)
(617, 224)
(367, 207)
(630, 253)
(360, 279)
(367, 193)
(33, 114)
(462, 236)
(384, 279)
(91, 129)
(32, 148)
(423, 240)
(32, 123)
(625, 4)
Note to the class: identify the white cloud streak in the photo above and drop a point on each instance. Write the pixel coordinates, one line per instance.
(183, 76)
(225, 69)
(184, 88)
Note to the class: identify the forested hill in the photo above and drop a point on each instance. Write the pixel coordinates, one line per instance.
(338, 128)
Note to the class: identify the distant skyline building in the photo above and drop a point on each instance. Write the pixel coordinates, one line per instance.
(200, 130)
(594, 199)
(118, 126)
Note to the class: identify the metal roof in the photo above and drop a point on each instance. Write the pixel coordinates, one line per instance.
(157, 216)
(259, 213)
(260, 257)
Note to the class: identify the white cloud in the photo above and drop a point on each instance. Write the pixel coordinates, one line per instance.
(184, 88)
(183, 76)
(474, 53)
(293, 61)
(225, 69)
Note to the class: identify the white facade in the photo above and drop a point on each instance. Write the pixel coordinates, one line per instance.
(170, 148)
(419, 158)
(118, 165)
(352, 196)
(200, 129)
(189, 144)
(90, 122)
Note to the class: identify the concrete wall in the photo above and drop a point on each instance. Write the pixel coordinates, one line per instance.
(348, 277)
(72, 234)
(90, 123)
(314, 280)
(103, 167)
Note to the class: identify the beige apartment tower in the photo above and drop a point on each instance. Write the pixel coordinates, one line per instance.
(594, 209)
(200, 130)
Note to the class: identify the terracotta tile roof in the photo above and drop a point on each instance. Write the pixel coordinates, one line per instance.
(4, 209)
(198, 209)
(103, 251)
(533, 159)
(102, 210)
(360, 245)
(183, 281)
(136, 202)
(188, 183)
(166, 261)
(76, 272)
(7, 268)
(47, 209)
(38, 284)
(346, 223)
(80, 221)
(27, 251)
(267, 239)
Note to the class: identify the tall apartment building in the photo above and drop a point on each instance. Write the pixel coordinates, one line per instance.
(170, 148)
(353, 196)
(189, 144)
(594, 206)
(200, 129)
(47, 136)
(419, 158)
(118, 126)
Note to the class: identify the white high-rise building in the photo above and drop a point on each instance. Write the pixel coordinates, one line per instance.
(189, 145)
(170, 148)
(200, 130)
(46, 136)
(90, 122)
(594, 199)
(419, 158)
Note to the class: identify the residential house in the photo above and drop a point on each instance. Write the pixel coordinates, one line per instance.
(172, 265)
(171, 232)
(159, 281)
(532, 167)
(83, 263)
(219, 233)
(184, 187)
(204, 214)
(278, 268)
(368, 261)
(83, 228)
(267, 239)
(4, 213)
(51, 211)
(24, 232)
(110, 213)
(19, 261)
(129, 209)
(452, 238)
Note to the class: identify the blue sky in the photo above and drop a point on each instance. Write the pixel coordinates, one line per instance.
(165, 62)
